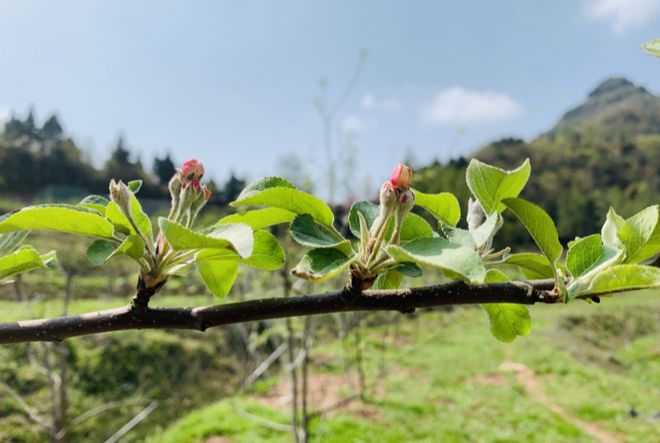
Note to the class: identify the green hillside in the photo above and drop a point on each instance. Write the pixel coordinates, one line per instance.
(604, 152)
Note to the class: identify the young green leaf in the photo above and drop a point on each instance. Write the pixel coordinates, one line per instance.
(236, 236)
(134, 186)
(583, 253)
(95, 202)
(260, 218)
(72, 219)
(610, 231)
(652, 47)
(620, 278)
(491, 185)
(443, 254)
(276, 192)
(473, 239)
(443, 206)
(26, 258)
(11, 241)
(539, 225)
(533, 266)
(388, 280)
(218, 275)
(117, 217)
(640, 235)
(413, 227)
(322, 264)
(409, 269)
(267, 253)
(368, 210)
(101, 251)
(307, 232)
(508, 320)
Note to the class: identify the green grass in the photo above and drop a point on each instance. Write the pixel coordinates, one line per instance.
(442, 382)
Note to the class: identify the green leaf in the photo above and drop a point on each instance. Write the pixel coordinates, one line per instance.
(652, 47)
(443, 206)
(640, 235)
(276, 192)
(368, 210)
(539, 225)
(218, 275)
(583, 253)
(413, 227)
(473, 239)
(610, 231)
(534, 266)
(442, 254)
(236, 236)
(620, 278)
(26, 258)
(508, 320)
(491, 185)
(72, 219)
(95, 202)
(307, 232)
(266, 255)
(117, 217)
(101, 251)
(10, 242)
(134, 186)
(322, 264)
(409, 269)
(260, 218)
(388, 280)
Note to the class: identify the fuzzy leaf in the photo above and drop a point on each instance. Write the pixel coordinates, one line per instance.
(443, 206)
(491, 185)
(532, 265)
(640, 235)
(71, 219)
(539, 225)
(443, 254)
(623, 278)
(235, 236)
(583, 253)
(117, 217)
(260, 218)
(95, 202)
(611, 227)
(652, 47)
(307, 232)
(24, 259)
(322, 264)
(267, 254)
(388, 280)
(218, 275)
(276, 192)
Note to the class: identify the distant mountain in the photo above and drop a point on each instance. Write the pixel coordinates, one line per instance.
(604, 152)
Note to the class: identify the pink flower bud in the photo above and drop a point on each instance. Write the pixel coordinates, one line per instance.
(192, 170)
(401, 176)
(195, 184)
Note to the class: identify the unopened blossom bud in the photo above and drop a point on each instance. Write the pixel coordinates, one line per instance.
(207, 193)
(192, 170)
(476, 215)
(121, 195)
(401, 176)
(405, 203)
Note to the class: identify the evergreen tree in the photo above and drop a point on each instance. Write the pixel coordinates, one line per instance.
(164, 168)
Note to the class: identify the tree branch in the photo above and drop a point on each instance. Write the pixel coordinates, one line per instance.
(200, 318)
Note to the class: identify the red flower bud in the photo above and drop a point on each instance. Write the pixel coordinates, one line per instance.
(401, 176)
(207, 193)
(194, 183)
(192, 170)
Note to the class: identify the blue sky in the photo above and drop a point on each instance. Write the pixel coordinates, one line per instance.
(233, 83)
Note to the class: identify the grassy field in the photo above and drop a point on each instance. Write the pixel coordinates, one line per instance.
(586, 373)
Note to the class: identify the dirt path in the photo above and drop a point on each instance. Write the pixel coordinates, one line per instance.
(527, 378)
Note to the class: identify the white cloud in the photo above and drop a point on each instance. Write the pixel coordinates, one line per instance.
(622, 14)
(460, 106)
(387, 104)
(351, 124)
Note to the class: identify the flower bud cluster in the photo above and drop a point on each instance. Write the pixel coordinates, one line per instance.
(188, 194)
